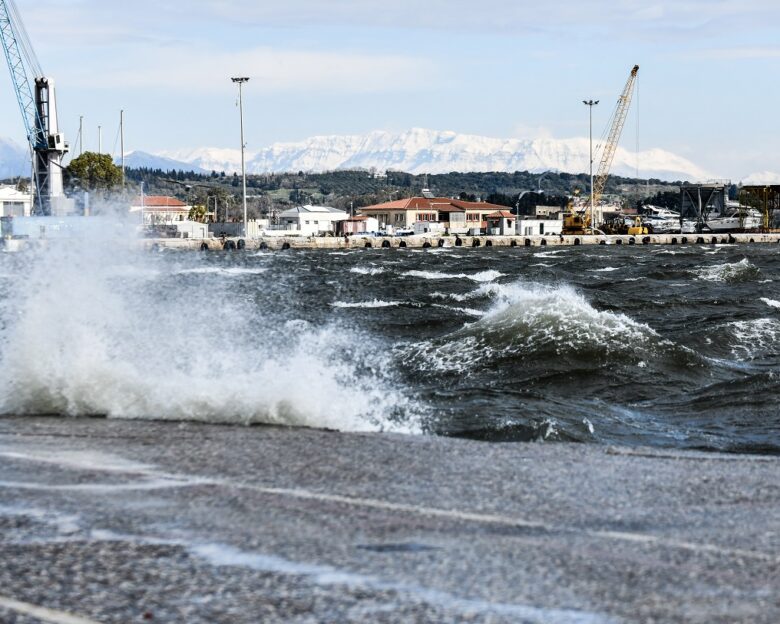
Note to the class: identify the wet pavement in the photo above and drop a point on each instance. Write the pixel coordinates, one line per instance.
(128, 521)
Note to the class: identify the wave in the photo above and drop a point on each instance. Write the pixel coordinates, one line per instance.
(232, 271)
(484, 291)
(771, 302)
(367, 270)
(376, 303)
(550, 254)
(752, 339)
(605, 270)
(742, 271)
(482, 276)
(532, 320)
(469, 311)
(77, 341)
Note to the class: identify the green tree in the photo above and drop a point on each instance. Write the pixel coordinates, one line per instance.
(93, 172)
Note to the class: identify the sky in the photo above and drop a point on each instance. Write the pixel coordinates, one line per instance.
(708, 85)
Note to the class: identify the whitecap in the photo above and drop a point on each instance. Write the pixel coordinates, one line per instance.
(367, 270)
(482, 276)
(231, 271)
(376, 303)
(740, 271)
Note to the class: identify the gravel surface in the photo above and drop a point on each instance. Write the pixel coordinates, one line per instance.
(118, 521)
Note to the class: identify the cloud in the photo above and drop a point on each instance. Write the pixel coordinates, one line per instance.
(516, 15)
(187, 70)
(739, 53)
(627, 19)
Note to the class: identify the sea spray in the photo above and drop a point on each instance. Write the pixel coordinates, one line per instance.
(100, 327)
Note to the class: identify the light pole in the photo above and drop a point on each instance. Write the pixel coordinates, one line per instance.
(590, 104)
(240, 82)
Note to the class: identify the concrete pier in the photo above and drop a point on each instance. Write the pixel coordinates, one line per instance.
(276, 243)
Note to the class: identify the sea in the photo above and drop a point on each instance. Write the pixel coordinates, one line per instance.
(660, 346)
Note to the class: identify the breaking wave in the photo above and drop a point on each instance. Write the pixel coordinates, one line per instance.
(367, 270)
(742, 271)
(366, 304)
(79, 338)
(529, 320)
(482, 276)
(752, 339)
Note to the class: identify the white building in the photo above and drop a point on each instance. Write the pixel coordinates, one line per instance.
(160, 209)
(14, 203)
(539, 227)
(310, 220)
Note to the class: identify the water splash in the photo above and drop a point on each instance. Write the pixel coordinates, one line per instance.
(82, 335)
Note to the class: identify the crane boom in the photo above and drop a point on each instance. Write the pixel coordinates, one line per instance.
(38, 106)
(619, 120)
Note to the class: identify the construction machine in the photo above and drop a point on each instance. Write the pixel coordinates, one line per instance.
(581, 223)
(38, 104)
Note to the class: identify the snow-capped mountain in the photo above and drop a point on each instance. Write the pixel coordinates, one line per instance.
(138, 160)
(762, 177)
(431, 151)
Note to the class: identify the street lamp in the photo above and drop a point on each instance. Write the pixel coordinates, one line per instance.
(590, 104)
(240, 82)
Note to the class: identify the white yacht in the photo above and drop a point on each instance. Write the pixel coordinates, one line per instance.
(737, 218)
(666, 221)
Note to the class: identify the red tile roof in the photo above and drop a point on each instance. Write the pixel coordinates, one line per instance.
(501, 214)
(442, 204)
(159, 201)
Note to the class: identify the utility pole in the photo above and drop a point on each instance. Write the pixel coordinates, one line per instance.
(590, 104)
(122, 143)
(240, 82)
(100, 139)
(81, 135)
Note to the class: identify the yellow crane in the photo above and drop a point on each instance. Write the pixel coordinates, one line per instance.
(610, 147)
(575, 223)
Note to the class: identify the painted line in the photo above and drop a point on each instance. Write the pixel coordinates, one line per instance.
(52, 616)
(163, 480)
(508, 521)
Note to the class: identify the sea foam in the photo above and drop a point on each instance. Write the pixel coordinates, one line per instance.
(79, 337)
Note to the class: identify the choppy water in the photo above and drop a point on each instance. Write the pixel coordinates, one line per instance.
(668, 346)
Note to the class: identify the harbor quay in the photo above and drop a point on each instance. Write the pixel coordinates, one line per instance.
(277, 243)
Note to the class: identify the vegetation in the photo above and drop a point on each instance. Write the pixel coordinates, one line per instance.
(93, 172)
(270, 194)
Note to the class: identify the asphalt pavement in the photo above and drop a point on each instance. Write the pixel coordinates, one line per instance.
(139, 521)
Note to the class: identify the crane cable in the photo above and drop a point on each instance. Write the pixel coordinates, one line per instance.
(25, 46)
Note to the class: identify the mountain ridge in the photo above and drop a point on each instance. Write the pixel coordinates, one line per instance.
(430, 151)
(414, 151)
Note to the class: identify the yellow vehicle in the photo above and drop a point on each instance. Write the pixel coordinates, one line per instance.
(637, 229)
(575, 223)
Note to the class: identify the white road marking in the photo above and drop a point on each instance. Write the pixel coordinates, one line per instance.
(163, 480)
(52, 616)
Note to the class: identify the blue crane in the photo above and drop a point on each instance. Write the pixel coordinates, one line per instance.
(38, 105)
